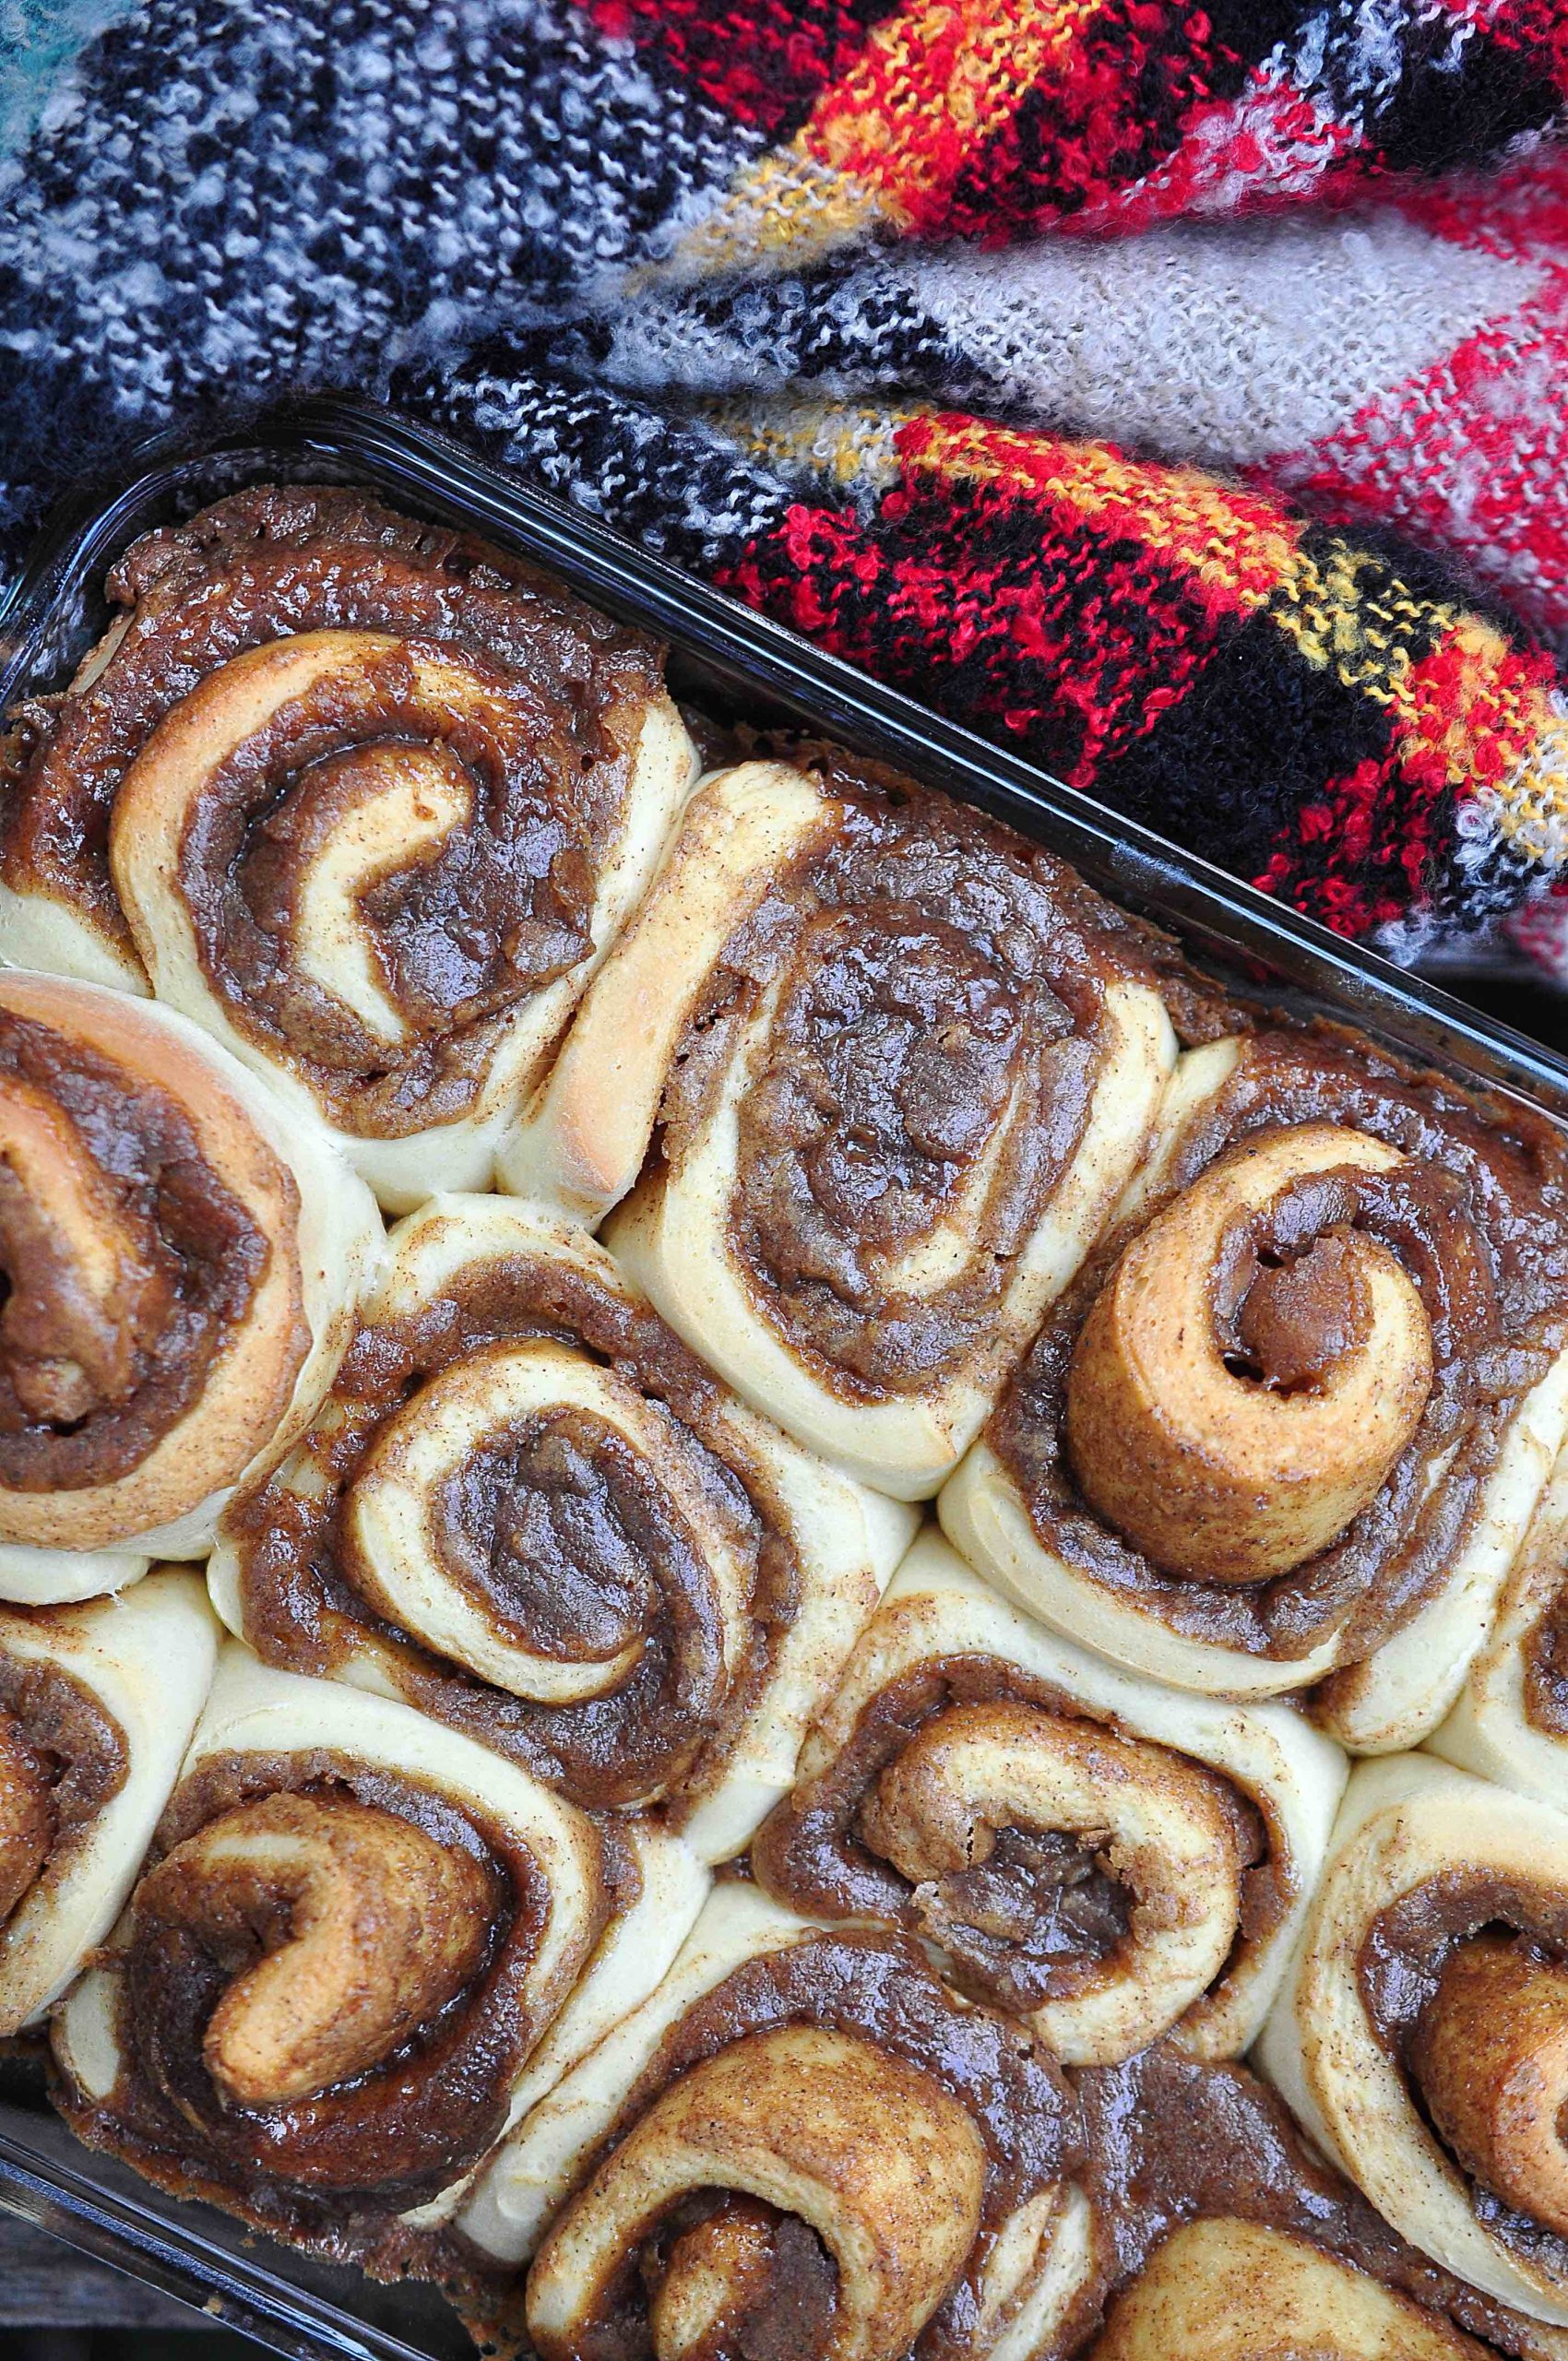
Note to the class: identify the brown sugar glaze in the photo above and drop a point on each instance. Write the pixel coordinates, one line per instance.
(544, 743)
(334, 2171)
(937, 1029)
(84, 1398)
(544, 1500)
(1477, 1217)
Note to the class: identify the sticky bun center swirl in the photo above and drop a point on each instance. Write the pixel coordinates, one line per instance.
(366, 1928)
(531, 1491)
(828, 2148)
(1266, 1418)
(1258, 1361)
(1489, 2055)
(872, 1119)
(732, 2277)
(1092, 1883)
(326, 1977)
(1466, 1980)
(854, 2187)
(250, 575)
(378, 843)
(927, 1047)
(125, 1263)
(1047, 1857)
(538, 1519)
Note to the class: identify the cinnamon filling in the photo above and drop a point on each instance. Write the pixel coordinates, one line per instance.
(123, 1282)
(1464, 1985)
(1297, 1319)
(1028, 1919)
(27, 1815)
(573, 1544)
(1023, 1919)
(1545, 1653)
(555, 1532)
(935, 1040)
(1470, 1219)
(729, 2278)
(63, 1758)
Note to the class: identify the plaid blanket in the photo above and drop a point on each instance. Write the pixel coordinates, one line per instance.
(1174, 391)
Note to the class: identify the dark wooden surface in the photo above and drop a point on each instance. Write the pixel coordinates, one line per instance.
(43, 2284)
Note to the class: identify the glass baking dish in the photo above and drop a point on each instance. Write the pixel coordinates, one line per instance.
(729, 662)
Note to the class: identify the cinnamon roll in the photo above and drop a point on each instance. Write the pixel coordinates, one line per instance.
(1287, 1432)
(365, 798)
(800, 2133)
(1195, 2177)
(1108, 1860)
(1511, 1722)
(527, 1508)
(1239, 2290)
(182, 1268)
(883, 1068)
(326, 2001)
(1422, 2033)
(98, 1701)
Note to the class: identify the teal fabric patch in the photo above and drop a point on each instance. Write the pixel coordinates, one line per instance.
(38, 40)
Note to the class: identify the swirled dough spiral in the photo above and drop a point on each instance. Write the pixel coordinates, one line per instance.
(883, 1070)
(363, 1948)
(97, 1700)
(1219, 2224)
(364, 797)
(1287, 1430)
(1422, 2033)
(816, 2128)
(1238, 2291)
(1109, 1860)
(801, 2126)
(183, 1268)
(528, 1509)
(1209, 1471)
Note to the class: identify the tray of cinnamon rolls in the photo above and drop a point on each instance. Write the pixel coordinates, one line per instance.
(783, 1533)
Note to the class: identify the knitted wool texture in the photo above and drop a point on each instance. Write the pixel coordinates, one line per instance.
(833, 303)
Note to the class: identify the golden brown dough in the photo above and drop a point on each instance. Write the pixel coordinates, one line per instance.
(1285, 1431)
(1238, 2291)
(868, 1073)
(362, 1949)
(365, 798)
(184, 1266)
